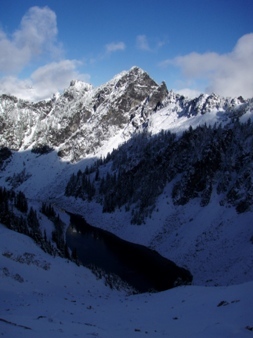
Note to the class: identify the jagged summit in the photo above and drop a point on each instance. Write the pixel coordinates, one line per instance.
(133, 71)
(126, 80)
(78, 84)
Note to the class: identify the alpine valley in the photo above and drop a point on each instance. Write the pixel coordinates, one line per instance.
(153, 167)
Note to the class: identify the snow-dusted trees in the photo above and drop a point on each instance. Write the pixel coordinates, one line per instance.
(200, 162)
(5, 195)
(21, 202)
(59, 226)
(81, 186)
(18, 216)
(32, 220)
(34, 225)
(15, 215)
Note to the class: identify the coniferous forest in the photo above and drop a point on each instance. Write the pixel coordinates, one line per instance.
(202, 161)
(16, 214)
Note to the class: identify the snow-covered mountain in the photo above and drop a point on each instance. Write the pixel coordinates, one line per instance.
(84, 120)
(147, 164)
(164, 149)
(80, 120)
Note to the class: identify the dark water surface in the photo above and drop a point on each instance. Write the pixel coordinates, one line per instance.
(140, 267)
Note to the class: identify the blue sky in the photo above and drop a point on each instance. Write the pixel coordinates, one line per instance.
(194, 46)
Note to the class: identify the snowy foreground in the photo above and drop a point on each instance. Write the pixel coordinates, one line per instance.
(43, 296)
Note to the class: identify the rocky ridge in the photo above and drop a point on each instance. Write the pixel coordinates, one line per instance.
(80, 120)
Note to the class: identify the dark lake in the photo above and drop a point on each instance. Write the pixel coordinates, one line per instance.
(139, 266)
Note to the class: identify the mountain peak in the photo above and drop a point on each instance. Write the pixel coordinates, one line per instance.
(133, 70)
(80, 85)
(134, 75)
(136, 69)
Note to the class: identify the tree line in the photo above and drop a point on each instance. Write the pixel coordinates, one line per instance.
(200, 162)
(16, 214)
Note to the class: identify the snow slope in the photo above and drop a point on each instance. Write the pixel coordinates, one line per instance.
(213, 242)
(45, 296)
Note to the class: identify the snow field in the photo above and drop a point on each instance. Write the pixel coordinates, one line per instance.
(66, 300)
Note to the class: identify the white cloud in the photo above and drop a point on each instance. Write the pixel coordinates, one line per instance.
(56, 76)
(13, 86)
(142, 43)
(228, 74)
(44, 82)
(114, 47)
(38, 30)
(191, 93)
(36, 35)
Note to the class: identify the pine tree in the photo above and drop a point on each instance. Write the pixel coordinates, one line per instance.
(66, 251)
(32, 220)
(74, 254)
(21, 202)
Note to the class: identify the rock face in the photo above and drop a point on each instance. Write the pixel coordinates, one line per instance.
(83, 118)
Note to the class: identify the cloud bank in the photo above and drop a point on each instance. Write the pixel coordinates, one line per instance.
(36, 38)
(43, 82)
(228, 74)
(142, 43)
(114, 47)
